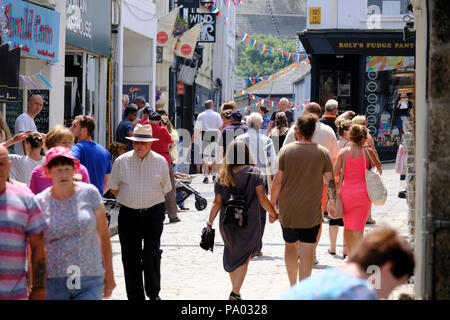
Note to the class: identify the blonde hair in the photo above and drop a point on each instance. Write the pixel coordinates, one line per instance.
(233, 159)
(357, 134)
(56, 134)
(170, 127)
(361, 120)
(4, 129)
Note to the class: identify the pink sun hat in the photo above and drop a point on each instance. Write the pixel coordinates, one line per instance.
(56, 152)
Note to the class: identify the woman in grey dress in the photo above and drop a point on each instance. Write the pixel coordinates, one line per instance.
(240, 243)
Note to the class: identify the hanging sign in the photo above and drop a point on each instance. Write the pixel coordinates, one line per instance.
(180, 88)
(159, 54)
(88, 25)
(33, 28)
(208, 31)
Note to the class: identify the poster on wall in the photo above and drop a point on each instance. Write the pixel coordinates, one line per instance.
(135, 90)
(42, 119)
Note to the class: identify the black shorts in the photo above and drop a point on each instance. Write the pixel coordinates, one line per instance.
(303, 235)
(336, 222)
(208, 138)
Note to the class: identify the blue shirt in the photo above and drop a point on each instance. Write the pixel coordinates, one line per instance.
(96, 159)
(123, 128)
(331, 284)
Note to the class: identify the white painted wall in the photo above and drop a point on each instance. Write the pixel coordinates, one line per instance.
(351, 14)
(135, 48)
(224, 53)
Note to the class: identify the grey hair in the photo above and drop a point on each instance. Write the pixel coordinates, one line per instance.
(331, 105)
(140, 99)
(284, 99)
(254, 120)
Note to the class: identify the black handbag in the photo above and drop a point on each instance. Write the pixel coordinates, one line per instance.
(207, 241)
(236, 208)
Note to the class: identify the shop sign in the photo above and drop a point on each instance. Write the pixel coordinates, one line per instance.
(135, 90)
(315, 14)
(180, 88)
(189, 3)
(9, 75)
(88, 25)
(159, 54)
(33, 28)
(373, 46)
(208, 31)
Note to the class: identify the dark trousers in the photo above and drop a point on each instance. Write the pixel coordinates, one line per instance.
(134, 228)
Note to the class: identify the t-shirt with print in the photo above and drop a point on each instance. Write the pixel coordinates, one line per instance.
(96, 159)
(22, 167)
(331, 284)
(303, 166)
(71, 238)
(20, 218)
(24, 123)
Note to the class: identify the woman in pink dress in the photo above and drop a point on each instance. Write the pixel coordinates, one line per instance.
(355, 200)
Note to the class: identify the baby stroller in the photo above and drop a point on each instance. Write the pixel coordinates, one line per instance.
(184, 190)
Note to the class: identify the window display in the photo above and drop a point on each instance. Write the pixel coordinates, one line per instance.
(388, 97)
(335, 84)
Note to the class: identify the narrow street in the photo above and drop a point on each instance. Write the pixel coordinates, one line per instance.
(191, 273)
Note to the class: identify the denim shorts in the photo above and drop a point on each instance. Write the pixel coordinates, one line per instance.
(89, 288)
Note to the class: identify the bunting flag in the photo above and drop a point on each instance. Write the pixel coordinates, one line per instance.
(187, 42)
(165, 27)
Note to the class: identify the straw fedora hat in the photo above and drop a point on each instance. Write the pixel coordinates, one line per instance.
(143, 133)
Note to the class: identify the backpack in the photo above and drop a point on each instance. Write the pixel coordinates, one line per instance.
(236, 208)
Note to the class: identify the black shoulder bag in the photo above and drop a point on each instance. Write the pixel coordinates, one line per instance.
(236, 208)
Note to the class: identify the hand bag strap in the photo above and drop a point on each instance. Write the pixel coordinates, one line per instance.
(342, 171)
(371, 161)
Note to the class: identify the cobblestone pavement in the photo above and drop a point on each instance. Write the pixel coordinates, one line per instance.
(191, 273)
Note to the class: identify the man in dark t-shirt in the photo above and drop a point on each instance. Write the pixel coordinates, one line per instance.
(329, 116)
(284, 104)
(125, 127)
(234, 129)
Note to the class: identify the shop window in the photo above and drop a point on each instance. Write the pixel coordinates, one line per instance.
(335, 84)
(389, 97)
(390, 7)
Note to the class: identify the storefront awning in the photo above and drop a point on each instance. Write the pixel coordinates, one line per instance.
(360, 42)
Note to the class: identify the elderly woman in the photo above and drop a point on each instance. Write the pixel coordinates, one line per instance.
(79, 256)
(355, 200)
(57, 136)
(382, 247)
(238, 177)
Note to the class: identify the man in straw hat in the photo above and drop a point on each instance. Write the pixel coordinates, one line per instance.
(140, 180)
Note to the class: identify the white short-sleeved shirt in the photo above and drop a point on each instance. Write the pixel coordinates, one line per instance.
(208, 120)
(24, 123)
(141, 183)
(22, 167)
(323, 135)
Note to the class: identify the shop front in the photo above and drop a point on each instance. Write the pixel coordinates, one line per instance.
(88, 38)
(34, 33)
(368, 72)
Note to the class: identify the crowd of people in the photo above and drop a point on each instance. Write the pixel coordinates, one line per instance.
(55, 242)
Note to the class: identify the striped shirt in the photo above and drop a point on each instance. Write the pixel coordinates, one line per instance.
(20, 218)
(141, 183)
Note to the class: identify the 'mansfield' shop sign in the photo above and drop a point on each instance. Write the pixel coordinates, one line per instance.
(32, 28)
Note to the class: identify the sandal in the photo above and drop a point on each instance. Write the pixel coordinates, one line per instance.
(370, 222)
(332, 253)
(234, 296)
